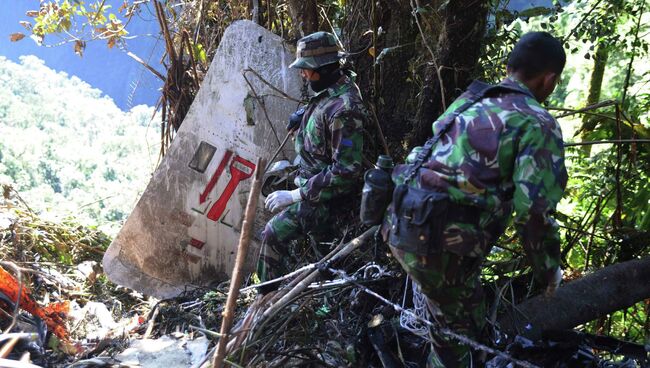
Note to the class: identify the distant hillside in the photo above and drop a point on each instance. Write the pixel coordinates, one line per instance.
(69, 150)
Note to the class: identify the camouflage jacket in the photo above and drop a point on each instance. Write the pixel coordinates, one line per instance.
(502, 153)
(330, 142)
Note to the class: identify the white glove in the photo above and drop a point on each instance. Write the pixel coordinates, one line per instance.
(555, 282)
(281, 199)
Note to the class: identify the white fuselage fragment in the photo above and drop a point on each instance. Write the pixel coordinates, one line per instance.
(185, 228)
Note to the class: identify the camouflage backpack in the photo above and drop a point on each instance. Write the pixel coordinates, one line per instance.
(418, 216)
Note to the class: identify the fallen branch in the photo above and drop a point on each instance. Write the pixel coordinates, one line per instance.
(255, 321)
(152, 322)
(605, 291)
(304, 283)
(20, 335)
(206, 331)
(9, 346)
(569, 112)
(7, 363)
(276, 89)
(144, 63)
(611, 141)
(291, 274)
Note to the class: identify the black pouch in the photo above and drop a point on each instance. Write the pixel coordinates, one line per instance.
(418, 220)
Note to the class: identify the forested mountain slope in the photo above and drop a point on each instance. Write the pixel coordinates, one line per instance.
(66, 147)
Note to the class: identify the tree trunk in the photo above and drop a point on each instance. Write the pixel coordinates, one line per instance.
(456, 57)
(304, 18)
(386, 78)
(256, 11)
(605, 291)
(589, 122)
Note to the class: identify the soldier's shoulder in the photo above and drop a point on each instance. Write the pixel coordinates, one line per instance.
(349, 101)
(521, 109)
(541, 116)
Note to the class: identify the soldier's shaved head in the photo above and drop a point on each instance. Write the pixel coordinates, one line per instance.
(537, 53)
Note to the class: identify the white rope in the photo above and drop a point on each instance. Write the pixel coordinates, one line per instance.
(410, 318)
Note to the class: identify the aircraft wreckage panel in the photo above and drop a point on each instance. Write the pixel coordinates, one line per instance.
(185, 229)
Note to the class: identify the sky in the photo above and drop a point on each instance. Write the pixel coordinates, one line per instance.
(520, 5)
(110, 70)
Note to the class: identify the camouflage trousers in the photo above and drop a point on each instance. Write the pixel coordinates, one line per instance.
(294, 222)
(451, 282)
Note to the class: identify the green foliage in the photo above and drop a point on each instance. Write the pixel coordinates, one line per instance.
(78, 21)
(68, 149)
(199, 53)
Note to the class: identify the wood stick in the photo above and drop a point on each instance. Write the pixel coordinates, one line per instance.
(304, 283)
(290, 275)
(26, 358)
(152, 322)
(583, 109)
(380, 133)
(305, 273)
(7, 363)
(607, 141)
(237, 274)
(8, 347)
(205, 331)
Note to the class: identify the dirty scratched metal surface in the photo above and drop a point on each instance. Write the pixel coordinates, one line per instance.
(185, 228)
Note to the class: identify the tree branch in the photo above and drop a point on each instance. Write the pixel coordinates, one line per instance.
(605, 291)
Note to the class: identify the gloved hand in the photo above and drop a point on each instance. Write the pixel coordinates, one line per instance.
(281, 199)
(295, 119)
(554, 283)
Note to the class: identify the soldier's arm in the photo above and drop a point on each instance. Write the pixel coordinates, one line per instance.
(340, 176)
(539, 177)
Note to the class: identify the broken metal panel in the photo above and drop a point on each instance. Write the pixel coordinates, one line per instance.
(185, 228)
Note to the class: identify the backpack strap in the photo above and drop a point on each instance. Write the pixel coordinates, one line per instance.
(476, 91)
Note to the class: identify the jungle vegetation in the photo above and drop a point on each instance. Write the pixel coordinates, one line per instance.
(413, 58)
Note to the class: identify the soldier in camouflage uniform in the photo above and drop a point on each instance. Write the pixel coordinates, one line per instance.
(329, 142)
(503, 153)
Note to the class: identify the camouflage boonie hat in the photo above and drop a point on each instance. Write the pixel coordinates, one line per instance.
(316, 50)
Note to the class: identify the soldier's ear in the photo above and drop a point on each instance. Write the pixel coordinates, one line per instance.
(551, 79)
(545, 84)
(310, 74)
